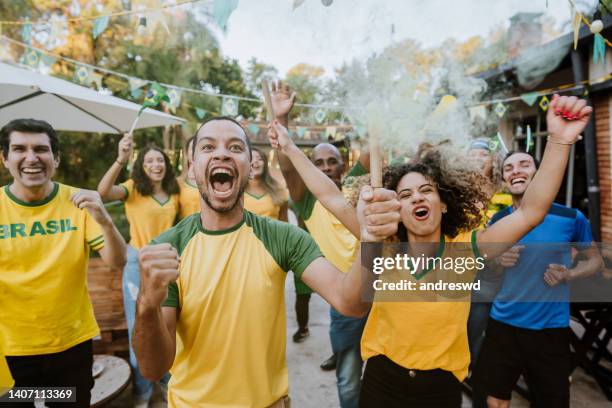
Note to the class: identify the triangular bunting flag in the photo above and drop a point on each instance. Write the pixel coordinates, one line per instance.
(229, 106)
(26, 33)
(320, 115)
(99, 25)
(175, 99)
(599, 49)
(500, 109)
(31, 58)
(530, 98)
(222, 10)
(301, 131)
(136, 93)
(82, 75)
(544, 103)
(200, 113)
(254, 129)
(136, 83)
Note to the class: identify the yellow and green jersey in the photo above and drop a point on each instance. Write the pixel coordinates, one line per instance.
(147, 217)
(425, 335)
(261, 205)
(189, 199)
(231, 329)
(337, 243)
(44, 249)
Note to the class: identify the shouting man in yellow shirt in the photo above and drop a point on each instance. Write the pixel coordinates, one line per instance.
(47, 230)
(217, 318)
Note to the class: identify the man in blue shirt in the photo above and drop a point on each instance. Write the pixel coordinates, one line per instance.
(528, 329)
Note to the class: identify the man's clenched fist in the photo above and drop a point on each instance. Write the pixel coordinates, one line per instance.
(378, 211)
(159, 266)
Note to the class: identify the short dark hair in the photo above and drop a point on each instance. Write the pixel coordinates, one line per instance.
(27, 126)
(513, 152)
(228, 118)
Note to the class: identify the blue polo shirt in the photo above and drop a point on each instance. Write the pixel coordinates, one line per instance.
(525, 300)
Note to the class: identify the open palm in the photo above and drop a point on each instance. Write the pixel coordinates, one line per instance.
(282, 99)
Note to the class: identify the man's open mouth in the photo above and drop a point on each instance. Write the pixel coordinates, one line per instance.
(518, 181)
(222, 180)
(421, 213)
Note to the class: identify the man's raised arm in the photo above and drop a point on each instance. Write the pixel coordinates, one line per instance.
(155, 327)
(282, 102)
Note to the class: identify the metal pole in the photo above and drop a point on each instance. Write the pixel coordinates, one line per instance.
(569, 185)
(590, 154)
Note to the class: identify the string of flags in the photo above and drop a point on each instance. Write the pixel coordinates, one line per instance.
(149, 15)
(596, 26)
(86, 74)
(75, 10)
(500, 107)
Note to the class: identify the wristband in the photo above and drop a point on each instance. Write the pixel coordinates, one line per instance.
(553, 140)
(120, 163)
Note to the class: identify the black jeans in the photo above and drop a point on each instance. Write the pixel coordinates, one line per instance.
(69, 368)
(386, 384)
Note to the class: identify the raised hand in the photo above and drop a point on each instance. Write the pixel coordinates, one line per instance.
(566, 118)
(279, 136)
(159, 266)
(282, 99)
(92, 202)
(126, 147)
(378, 212)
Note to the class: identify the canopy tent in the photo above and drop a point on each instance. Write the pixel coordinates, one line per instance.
(67, 106)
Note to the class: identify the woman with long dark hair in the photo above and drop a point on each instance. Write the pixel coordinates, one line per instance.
(264, 195)
(151, 206)
(417, 351)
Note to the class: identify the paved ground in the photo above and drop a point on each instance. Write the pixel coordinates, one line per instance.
(311, 387)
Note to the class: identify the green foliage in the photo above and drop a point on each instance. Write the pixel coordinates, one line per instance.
(188, 56)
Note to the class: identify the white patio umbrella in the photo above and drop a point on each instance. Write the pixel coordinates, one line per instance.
(67, 106)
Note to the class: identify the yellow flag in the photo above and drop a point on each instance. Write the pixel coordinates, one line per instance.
(576, 26)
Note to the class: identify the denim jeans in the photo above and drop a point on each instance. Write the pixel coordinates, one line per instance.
(345, 333)
(143, 388)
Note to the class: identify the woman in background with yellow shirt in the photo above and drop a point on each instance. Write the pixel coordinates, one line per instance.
(264, 195)
(151, 197)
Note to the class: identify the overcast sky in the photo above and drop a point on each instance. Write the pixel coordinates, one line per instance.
(326, 36)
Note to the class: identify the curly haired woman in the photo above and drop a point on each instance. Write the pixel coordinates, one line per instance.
(417, 352)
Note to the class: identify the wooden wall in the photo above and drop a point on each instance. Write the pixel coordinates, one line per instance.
(105, 290)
